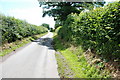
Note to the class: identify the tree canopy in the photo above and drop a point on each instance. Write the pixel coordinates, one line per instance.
(46, 25)
(60, 10)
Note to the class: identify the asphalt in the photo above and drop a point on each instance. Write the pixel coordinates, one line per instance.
(36, 60)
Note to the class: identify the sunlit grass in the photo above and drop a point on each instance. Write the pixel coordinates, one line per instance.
(77, 62)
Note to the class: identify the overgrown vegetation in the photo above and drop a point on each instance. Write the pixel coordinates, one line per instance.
(14, 29)
(9, 47)
(60, 10)
(77, 66)
(96, 29)
(16, 33)
(46, 25)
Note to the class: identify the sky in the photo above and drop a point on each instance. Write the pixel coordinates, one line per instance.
(28, 10)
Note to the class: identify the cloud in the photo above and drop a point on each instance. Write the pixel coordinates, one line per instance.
(31, 12)
(31, 15)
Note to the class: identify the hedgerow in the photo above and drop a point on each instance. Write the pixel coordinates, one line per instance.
(14, 29)
(98, 29)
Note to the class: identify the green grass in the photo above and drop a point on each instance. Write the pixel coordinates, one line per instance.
(17, 44)
(80, 66)
(61, 68)
(77, 62)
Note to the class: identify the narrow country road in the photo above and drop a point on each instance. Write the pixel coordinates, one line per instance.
(37, 60)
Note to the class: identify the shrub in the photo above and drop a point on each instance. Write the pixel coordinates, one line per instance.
(96, 29)
(15, 29)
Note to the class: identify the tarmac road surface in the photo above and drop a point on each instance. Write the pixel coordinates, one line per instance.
(36, 60)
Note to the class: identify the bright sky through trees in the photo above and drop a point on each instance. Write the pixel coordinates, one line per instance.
(28, 10)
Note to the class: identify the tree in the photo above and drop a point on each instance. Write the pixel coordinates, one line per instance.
(46, 25)
(57, 23)
(51, 30)
(60, 10)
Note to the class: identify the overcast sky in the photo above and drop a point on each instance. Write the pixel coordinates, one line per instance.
(28, 10)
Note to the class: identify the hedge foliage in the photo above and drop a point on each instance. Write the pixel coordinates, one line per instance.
(98, 29)
(15, 29)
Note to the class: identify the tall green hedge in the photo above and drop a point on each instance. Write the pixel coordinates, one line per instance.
(98, 29)
(14, 29)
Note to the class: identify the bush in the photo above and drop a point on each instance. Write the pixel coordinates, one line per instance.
(96, 29)
(15, 29)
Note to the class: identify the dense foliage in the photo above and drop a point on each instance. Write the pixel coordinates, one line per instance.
(97, 29)
(60, 10)
(15, 29)
(46, 25)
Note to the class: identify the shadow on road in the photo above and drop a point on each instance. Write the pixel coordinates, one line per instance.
(45, 42)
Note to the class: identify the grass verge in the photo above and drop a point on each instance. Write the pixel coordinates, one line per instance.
(63, 68)
(9, 47)
(76, 62)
